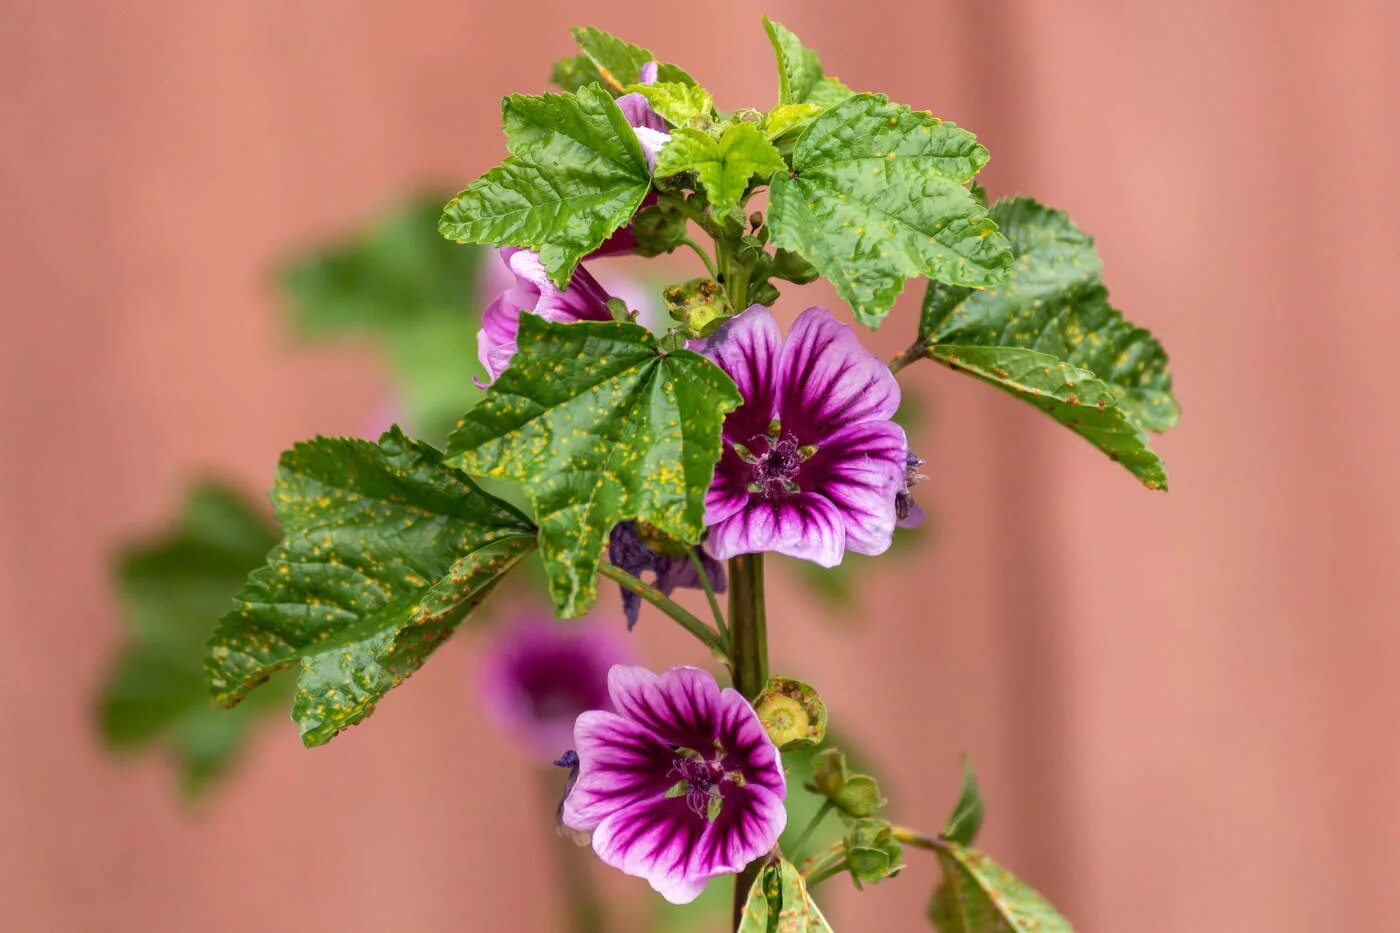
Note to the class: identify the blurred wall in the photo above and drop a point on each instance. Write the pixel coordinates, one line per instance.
(1183, 706)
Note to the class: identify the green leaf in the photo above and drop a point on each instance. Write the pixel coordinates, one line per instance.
(575, 174)
(385, 550)
(724, 165)
(678, 103)
(966, 818)
(877, 195)
(574, 73)
(173, 591)
(620, 63)
(599, 425)
(779, 903)
(800, 78)
(413, 294)
(979, 896)
(828, 92)
(1048, 335)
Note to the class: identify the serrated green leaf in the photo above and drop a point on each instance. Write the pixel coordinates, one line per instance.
(677, 103)
(877, 195)
(574, 73)
(619, 63)
(385, 550)
(828, 92)
(1054, 301)
(785, 118)
(724, 165)
(412, 293)
(173, 591)
(575, 174)
(799, 68)
(979, 896)
(599, 425)
(779, 902)
(966, 818)
(1048, 335)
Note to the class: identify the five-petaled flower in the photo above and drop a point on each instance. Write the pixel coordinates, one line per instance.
(538, 674)
(812, 464)
(680, 785)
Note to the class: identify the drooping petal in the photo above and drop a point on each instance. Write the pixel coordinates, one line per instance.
(827, 380)
(805, 525)
(680, 706)
(861, 469)
(748, 348)
(620, 763)
(670, 571)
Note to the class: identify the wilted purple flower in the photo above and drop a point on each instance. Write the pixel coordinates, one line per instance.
(680, 785)
(812, 463)
(532, 291)
(627, 550)
(539, 674)
(906, 510)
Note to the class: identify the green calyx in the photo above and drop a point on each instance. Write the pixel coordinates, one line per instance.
(700, 306)
(792, 713)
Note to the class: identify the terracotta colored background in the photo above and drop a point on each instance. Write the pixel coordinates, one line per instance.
(1184, 706)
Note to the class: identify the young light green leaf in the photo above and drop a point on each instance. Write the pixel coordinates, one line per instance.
(677, 103)
(414, 294)
(619, 63)
(575, 174)
(785, 118)
(724, 165)
(173, 591)
(779, 902)
(978, 896)
(385, 550)
(599, 425)
(800, 78)
(877, 195)
(1054, 301)
(966, 818)
(1048, 335)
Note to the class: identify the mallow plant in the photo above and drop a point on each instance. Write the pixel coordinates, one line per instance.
(650, 459)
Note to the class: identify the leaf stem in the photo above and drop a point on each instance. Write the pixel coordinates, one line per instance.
(699, 565)
(651, 594)
(916, 351)
(820, 815)
(748, 664)
(912, 837)
(817, 877)
(704, 256)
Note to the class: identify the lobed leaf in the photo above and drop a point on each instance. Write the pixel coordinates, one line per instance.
(385, 550)
(878, 195)
(1048, 335)
(575, 174)
(173, 591)
(724, 165)
(619, 63)
(599, 425)
(779, 902)
(979, 896)
(677, 103)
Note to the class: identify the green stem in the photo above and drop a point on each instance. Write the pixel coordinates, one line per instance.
(818, 877)
(703, 220)
(748, 664)
(912, 837)
(820, 815)
(651, 594)
(916, 351)
(709, 592)
(704, 256)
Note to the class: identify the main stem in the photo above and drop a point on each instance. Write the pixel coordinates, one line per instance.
(748, 663)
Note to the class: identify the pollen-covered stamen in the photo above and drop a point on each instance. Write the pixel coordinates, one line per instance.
(774, 460)
(700, 781)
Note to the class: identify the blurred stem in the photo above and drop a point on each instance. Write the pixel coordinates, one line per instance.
(704, 256)
(748, 664)
(912, 837)
(699, 566)
(583, 908)
(712, 639)
(916, 351)
(820, 815)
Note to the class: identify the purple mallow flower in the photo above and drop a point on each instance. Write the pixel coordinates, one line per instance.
(812, 465)
(530, 290)
(680, 785)
(646, 122)
(539, 674)
(627, 550)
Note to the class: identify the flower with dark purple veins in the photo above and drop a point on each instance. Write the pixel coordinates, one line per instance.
(671, 569)
(530, 290)
(539, 674)
(680, 785)
(812, 464)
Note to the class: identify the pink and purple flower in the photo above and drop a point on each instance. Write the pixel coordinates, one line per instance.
(539, 674)
(812, 464)
(680, 785)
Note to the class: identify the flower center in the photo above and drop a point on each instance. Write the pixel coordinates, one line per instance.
(701, 781)
(774, 461)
